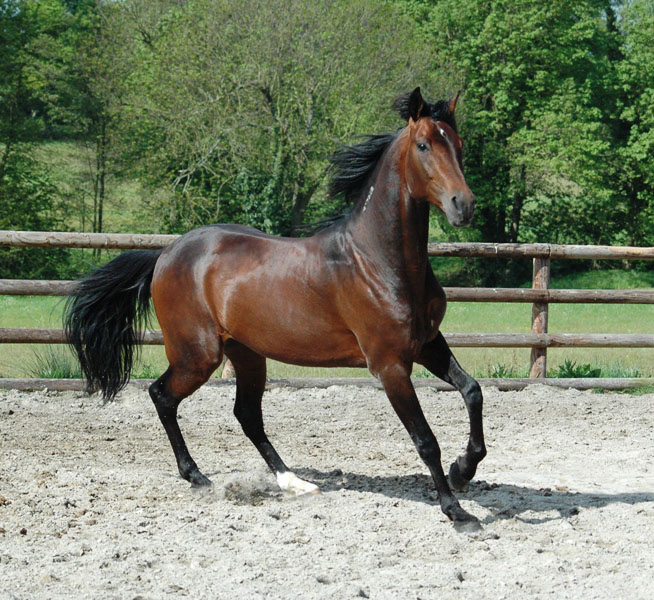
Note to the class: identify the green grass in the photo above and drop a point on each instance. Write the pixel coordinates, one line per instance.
(612, 279)
(563, 318)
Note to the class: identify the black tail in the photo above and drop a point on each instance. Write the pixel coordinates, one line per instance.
(103, 315)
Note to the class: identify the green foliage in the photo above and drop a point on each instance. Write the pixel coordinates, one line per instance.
(145, 370)
(635, 126)
(502, 371)
(618, 369)
(28, 201)
(225, 111)
(557, 118)
(570, 368)
(239, 110)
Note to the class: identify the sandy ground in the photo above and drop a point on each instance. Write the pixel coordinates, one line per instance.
(91, 505)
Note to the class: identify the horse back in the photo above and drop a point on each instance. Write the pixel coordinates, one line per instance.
(278, 296)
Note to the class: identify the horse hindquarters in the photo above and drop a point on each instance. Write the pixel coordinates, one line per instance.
(194, 350)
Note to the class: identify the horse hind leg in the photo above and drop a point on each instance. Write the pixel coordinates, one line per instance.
(250, 369)
(167, 392)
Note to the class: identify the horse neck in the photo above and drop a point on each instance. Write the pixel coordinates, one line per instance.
(388, 226)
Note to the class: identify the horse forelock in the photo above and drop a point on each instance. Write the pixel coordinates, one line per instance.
(439, 111)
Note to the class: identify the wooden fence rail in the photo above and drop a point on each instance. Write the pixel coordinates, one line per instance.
(540, 296)
(131, 241)
(27, 287)
(513, 384)
(20, 335)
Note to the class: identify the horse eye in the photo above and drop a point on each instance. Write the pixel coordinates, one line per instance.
(422, 147)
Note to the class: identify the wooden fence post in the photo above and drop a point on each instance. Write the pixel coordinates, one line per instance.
(539, 315)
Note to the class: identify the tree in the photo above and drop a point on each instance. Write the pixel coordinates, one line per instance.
(635, 122)
(18, 29)
(538, 85)
(239, 109)
(28, 197)
(29, 201)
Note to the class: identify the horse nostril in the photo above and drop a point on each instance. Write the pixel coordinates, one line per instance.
(454, 202)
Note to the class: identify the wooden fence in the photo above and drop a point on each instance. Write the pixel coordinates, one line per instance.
(540, 296)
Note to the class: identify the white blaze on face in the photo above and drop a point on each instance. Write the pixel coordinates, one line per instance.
(291, 484)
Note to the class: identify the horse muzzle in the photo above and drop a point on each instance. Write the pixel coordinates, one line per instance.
(459, 207)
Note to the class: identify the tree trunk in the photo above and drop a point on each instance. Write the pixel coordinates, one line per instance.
(299, 207)
(102, 164)
(99, 180)
(516, 210)
(5, 158)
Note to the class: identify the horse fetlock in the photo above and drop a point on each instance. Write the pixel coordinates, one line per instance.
(190, 472)
(477, 453)
(459, 481)
(197, 479)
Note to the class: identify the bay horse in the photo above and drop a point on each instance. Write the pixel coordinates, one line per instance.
(360, 293)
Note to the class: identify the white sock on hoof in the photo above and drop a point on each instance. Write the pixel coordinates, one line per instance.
(290, 483)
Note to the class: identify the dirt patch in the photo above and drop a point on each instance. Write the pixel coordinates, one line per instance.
(91, 505)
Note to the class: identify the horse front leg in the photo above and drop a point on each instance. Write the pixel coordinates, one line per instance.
(438, 358)
(400, 391)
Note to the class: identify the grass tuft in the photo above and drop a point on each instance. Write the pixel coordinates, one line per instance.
(54, 363)
(146, 371)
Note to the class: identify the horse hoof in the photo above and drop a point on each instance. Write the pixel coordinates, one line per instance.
(198, 480)
(457, 482)
(471, 525)
(292, 485)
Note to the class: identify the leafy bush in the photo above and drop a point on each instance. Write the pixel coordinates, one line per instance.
(570, 369)
(146, 371)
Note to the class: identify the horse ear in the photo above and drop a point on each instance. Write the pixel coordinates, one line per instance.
(417, 105)
(452, 103)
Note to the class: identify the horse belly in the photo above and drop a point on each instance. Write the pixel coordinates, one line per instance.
(289, 325)
(306, 344)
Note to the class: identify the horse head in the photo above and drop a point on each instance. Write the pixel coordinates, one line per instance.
(433, 168)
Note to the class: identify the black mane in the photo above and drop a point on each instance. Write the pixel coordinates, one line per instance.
(353, 165)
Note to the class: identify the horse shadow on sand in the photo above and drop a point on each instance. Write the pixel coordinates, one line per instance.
(504, 501)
